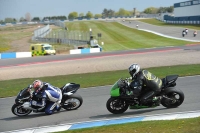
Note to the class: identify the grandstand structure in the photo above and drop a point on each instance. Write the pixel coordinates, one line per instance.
(187, 12)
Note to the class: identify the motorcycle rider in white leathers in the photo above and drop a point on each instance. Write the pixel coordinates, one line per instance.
(45, 97)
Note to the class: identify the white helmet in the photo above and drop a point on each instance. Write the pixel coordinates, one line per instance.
(134, 69)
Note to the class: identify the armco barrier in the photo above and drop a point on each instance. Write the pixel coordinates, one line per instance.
(23, 54)
(8, 55)
(28, 54)
(14, 55)
(85, 50)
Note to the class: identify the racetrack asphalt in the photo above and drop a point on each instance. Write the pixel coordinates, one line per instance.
(94, 108)
(165, 30)
(174, 56)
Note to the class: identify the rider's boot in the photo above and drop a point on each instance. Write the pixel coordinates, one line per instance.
(156, 100)
(58, 107)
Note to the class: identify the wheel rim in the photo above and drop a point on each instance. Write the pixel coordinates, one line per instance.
(175, 98)
(21, 111)
(72, 103)
(117, 104)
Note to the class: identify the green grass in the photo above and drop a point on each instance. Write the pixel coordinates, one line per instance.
(6, 39)
(9, 34)
(114, 35)
(160, 23)
(118, 37)
(190, 125)
(14, 28)
(12, 87)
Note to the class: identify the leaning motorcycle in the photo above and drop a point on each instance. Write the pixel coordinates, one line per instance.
(122, 97)
(70, 100)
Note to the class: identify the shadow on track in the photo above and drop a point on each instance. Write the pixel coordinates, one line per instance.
(135, 112)
(32, 115)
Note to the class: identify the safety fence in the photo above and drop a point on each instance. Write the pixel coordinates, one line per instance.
(61, 36)
(183, 22)
(85, 50)
(41, 32)
(60, 24)
(15, 55)
(12, 55)
(179, 22)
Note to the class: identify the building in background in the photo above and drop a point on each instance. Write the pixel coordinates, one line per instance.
(185, 12)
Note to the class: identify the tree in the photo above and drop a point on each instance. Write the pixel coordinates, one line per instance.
(1, 21)
(81, 15)
(10, 20)
(165, 9)
(123, 12)
(108, 13)
(14, 20)
(36, 19)
(28, 17)
(22, 19)
(161, 10)
(151, 10)
(111, 13)
(97, 16)
(51, 18)
(105, 13)
(72, 15)
(89, 15)
(170, 9)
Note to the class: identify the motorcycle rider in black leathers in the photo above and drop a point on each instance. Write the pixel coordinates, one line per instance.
(143, 78)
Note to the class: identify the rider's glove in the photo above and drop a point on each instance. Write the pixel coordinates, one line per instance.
(30, 86)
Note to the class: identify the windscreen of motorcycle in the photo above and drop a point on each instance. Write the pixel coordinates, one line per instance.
(23, 93)
(115, 90)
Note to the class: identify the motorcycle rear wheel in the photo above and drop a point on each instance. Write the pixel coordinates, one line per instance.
(177, 98)
(72, 102)
(116, 106)
(19, 111)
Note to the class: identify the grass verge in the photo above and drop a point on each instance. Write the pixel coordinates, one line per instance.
(119, 37)
(160, 23)
(9, 34)
(190, 125)
(114, 35)
(12, 87)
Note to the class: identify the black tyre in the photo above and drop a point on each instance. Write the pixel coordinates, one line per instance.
(175, 99)
(72, 102)
(116, 106)
(19, 111)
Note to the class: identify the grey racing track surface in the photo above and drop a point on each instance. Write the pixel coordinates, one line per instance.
(19, 61)
(108, 61)
(94, 108)
(165, 30)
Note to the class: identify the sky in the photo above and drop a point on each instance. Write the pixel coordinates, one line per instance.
(41, 8)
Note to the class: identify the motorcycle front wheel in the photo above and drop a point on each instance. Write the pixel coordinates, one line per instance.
(19, 111)
(72, 102)
(116, 106)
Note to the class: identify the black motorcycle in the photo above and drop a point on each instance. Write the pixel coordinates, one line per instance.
(123, 97)
(70, 100)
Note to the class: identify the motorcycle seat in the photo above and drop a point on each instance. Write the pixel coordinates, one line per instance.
(169, 78)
